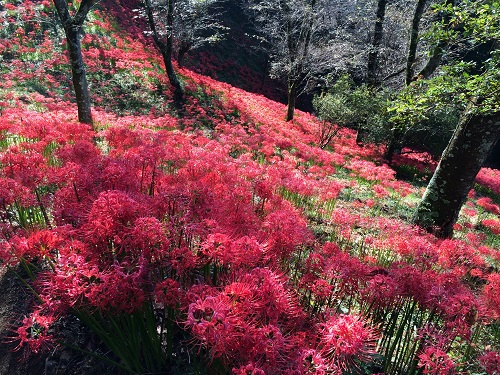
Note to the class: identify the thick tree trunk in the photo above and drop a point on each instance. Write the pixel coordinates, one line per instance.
(79, 76)
(298, 51)
(172, 77)
(472, 141)
(73, 30)
(376, 41)
(412, 49)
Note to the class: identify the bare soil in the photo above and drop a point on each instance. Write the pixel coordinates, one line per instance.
(15, 304)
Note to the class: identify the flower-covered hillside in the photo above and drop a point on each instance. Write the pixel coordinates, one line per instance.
(218, 238)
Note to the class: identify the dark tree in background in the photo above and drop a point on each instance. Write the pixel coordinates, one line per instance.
(288, 29)
(414, 33)
(196, 24)
(376, 42)
(161, 13)
(73, 28)
(178, 26)
(439, 47)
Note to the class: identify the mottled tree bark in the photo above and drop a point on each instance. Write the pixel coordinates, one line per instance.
(412, 49)
(472, 141)
(73, 30)
(376, 41)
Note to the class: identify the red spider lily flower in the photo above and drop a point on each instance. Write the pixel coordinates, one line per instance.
(148, 238)
(218, 329)
(216, 248)
(382, 290)
(34, 332)
(489, 178)
(435, 361)
(346, 338)
(313, 363)
(249, 369)
(276, 304)
(111, 213)
(270, 348)
(493, 225)
(488, 205)
(490, 361)
(286, 229)
(168, 293)
(491, 296)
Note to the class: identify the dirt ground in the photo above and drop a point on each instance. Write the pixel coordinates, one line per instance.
(15, 303)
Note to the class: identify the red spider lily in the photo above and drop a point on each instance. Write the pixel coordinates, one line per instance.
(346, 338)
(455, 253)
(488, 205)
(435, 361)
(313, 363)
(109, 217)
(168, 293)
(491, 296)
(285, 229)
(34, 333)
(490, 361)
(493, 225)
(382, 290)
(249, 369)
(489, 178)
(218, 329)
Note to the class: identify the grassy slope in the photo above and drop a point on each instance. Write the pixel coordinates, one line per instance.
(345, 193)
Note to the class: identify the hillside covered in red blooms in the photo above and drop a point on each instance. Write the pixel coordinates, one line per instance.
(217, 238)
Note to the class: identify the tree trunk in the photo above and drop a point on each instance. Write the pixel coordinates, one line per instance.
(376, 41)
(79, 76)
(298, 50)
(172, 77)
(472, 141)
(183, 49)
(73, 30)
(167, 54)
(437, 51)
(412, 49)
(166, 47)
(292, 95)
(393, 145)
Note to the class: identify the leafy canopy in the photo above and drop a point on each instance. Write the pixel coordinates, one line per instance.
(471, 79)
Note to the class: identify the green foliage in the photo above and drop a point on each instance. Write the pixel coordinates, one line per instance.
(358, 107)
(472, 26)
(425, 114)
